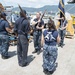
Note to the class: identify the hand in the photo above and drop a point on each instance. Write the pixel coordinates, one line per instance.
(62, 28)
(39, 21)
(37, 27)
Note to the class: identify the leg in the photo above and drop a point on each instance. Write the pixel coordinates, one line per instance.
(35, 35)
(0, 44)
(19, 50)
(45, 57)
(5, 45)
(39, 40)
(63, 35)
(52, 59)
(24, 43)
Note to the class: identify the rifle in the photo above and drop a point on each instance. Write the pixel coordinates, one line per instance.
(22, 12)
(42, 17)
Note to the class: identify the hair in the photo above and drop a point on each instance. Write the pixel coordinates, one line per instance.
(23, 15)
(39, 13)
(51, 24)
(2, 16)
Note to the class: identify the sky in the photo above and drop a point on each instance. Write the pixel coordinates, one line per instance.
(31, 3)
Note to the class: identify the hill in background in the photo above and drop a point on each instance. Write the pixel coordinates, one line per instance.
(53, 8)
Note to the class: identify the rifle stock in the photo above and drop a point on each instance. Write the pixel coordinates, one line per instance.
(42, 17)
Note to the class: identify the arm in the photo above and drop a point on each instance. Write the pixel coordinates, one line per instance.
(58, 39)
(64, 25)
(9, 30)
(40, 27)
(34, 23)
(27, 28)
(42, 22)
(58, 18)
(7, 27)
(16, 28)
(42, 39)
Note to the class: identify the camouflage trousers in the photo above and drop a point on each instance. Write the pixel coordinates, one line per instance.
(49, 57)
(62, 35)
(4, 45)
(22, 49)
(37, 40)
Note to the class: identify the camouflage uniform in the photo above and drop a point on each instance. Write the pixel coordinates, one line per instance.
(4, 45)
(4, 38)
(37, 35)
(37, 40)
(49, 57)
(22, 29)
(50, 50)
(62, 32)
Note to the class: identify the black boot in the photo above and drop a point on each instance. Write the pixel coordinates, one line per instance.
(35, 51)
(5, 57)
(45, 71)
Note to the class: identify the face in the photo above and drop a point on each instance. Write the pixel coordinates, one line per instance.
(38, 15)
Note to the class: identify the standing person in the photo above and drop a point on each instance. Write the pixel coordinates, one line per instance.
(22, 29)
(4, 38)
(62, 30)
(37, 33)
(50, 39)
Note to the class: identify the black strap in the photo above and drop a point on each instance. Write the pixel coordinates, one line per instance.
(21, 25)
(22, 30)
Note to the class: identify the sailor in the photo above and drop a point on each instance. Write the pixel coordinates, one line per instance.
(37, 33)
(22, 30)
(50, 39)
(4, 38)
(62, 30)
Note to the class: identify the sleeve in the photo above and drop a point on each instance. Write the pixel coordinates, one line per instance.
(65, 22)
(16, 26)
(56, 34)
(34, 20)
(7, 25)
(44, 32)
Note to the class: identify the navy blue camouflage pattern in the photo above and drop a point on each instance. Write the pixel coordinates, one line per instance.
(4, 45)
(49, 57)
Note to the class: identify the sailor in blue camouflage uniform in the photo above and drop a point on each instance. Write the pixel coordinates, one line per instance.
(62, 30)
(4, 38)
(22, 29)
(38, 25)
(50, 39)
